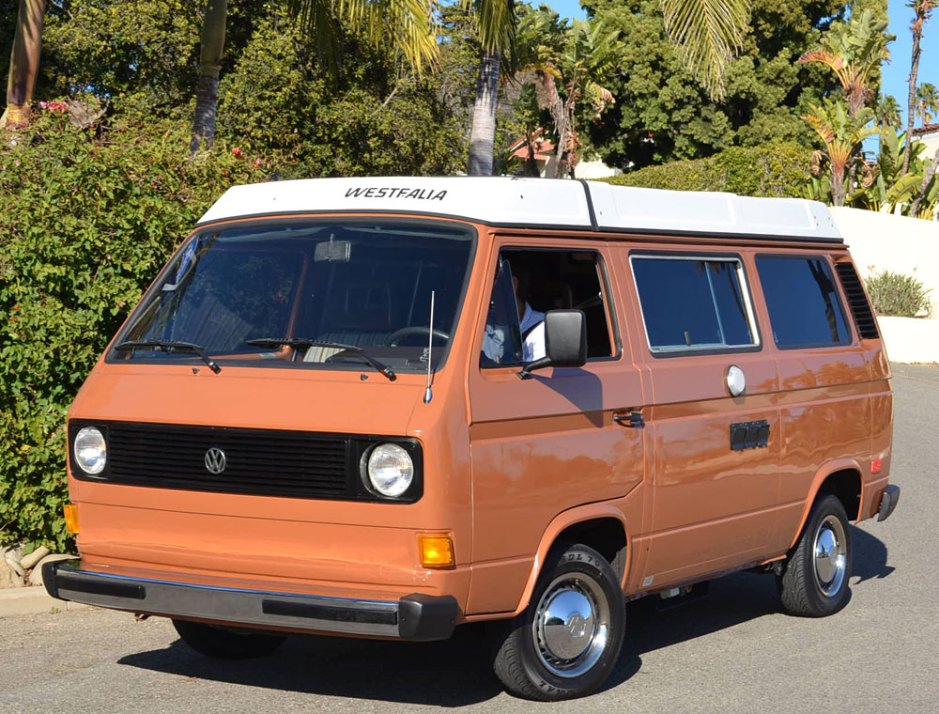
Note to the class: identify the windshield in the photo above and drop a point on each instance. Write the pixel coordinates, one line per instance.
(349, 295)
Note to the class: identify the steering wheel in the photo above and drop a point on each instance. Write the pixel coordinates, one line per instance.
(405, 332)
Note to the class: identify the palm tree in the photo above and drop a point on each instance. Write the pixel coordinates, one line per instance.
(212, 51)
(853, 51)
(841, 133)
(887, 111)
(406, 24)
(708, 33)
(922, 9)
(586, 56)
(927, 101)
(496, 23)
(24, 62)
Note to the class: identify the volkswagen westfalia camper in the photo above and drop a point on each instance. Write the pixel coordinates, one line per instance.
(326, 416)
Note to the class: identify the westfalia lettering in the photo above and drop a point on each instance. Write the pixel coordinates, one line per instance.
(422, 194)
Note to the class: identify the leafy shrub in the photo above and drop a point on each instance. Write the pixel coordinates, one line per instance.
(899, 295)
(781, 170)
(86, 221)
(365, 119)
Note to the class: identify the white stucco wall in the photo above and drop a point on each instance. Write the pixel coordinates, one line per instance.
(879, 241)
(931, 140)
(594, 170)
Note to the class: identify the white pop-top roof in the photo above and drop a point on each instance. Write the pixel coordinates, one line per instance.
(536, 202)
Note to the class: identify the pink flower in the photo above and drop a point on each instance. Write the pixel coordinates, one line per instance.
(236, 152)
(43, 105)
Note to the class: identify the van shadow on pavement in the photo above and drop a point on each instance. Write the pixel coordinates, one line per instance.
(456, 672)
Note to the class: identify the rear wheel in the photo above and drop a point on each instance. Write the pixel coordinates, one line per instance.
(815, 582)
(225, 643)
(568, 640)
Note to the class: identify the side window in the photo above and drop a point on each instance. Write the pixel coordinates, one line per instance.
(528, 284)
(692, 303)
(804, 308)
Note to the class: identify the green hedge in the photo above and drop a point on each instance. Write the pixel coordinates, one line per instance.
(87, 217)
(781, 170)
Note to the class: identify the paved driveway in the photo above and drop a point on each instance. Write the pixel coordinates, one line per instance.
(733, 652)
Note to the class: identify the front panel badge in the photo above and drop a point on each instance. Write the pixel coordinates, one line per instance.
(215, 461)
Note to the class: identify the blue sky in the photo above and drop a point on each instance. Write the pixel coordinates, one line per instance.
(895, 73)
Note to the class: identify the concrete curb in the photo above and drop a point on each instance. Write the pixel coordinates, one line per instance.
(33, 601)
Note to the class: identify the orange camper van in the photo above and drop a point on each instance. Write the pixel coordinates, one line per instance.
(388, 407)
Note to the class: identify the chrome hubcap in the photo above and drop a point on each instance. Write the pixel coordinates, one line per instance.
(571, 626)
(831, 556)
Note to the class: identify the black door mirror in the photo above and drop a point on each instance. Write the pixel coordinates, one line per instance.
(565, 334)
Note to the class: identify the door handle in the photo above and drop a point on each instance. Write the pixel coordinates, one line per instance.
(632, 419)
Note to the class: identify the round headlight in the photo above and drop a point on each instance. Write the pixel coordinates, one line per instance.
(91, 450)
(390, 470)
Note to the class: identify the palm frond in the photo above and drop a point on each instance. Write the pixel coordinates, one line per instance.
(709, 33)
(496, 20)
(408, 26)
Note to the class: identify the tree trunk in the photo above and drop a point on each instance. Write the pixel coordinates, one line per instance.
(929, 175)
(24, 62)
(213, 49)
(483, 132)
(837, 185)
(917, 28)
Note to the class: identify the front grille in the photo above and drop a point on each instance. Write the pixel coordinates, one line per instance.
(257, 462)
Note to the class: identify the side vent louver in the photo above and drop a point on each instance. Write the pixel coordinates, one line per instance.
(860, 308)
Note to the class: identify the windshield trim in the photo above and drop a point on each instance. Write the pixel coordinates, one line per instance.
(113, 356)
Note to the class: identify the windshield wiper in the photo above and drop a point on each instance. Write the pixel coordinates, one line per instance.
(306, 342)
(169, 346)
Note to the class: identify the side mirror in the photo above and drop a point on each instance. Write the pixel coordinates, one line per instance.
(565, 341)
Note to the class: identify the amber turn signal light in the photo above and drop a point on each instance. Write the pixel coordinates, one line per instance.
(71, 518)
(436, 551)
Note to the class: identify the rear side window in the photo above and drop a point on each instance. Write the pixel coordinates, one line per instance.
(693, 303)
(803, 303)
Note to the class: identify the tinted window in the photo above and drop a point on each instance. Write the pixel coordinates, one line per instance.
(690, 303)
(803, 304)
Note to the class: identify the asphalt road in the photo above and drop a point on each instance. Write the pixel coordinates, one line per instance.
(733, 652)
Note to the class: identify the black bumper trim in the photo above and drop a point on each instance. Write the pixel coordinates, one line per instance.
(100, 587)
(415, 617)
(321, 612)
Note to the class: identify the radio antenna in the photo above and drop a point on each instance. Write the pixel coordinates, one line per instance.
(428, 393)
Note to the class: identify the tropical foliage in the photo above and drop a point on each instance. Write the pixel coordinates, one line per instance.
(842, 174)
(662, 114)
(72, 263)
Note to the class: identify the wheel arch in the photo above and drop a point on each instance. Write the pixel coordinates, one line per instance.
(842, 479)
(599, 526)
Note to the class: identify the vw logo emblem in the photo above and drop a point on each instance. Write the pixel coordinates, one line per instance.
(215, 461)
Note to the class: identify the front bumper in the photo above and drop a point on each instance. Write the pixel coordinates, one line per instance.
(417, 617)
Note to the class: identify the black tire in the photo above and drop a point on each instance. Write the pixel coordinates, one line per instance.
(575, 578)
(815, 581)
(225, 643)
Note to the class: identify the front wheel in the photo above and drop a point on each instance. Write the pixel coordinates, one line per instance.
(815, 582)
(568, 640)
(224, 643)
